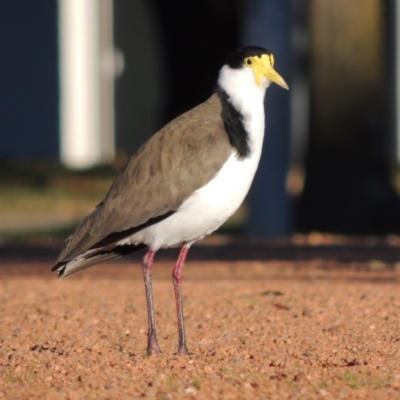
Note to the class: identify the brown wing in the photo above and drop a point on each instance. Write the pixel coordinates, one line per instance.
(172, 164)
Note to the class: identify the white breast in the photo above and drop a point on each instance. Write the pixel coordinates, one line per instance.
(206, 210)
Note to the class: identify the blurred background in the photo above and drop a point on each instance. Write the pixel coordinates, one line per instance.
(85, 82)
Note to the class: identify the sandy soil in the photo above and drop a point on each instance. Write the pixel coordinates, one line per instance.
(309, 318)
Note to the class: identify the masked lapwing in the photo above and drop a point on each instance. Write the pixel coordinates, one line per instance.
(183, 183)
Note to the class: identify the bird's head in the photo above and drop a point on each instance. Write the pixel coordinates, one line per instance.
(252, 63)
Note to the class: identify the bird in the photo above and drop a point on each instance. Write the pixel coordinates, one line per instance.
(183, 183)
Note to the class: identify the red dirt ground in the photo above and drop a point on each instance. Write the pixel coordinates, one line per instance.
(308, 318)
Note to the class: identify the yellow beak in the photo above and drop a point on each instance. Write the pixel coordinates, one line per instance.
(264, 67)
(273, 76)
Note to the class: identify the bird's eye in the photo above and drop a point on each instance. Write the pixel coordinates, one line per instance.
(249, 62)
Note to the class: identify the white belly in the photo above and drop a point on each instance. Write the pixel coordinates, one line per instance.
(206, 210)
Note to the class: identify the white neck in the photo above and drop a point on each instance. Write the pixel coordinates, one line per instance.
(248, 98)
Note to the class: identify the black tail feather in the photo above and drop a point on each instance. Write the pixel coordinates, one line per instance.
(95, 257)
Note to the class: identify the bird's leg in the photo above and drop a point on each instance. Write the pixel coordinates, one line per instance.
(147, 264)
(177, 278)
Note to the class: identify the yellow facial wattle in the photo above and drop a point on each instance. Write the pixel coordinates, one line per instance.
(264, 67)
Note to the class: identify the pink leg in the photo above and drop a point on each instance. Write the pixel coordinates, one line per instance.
(177, 279)
(147, 264)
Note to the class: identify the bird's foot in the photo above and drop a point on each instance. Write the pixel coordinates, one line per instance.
(182, 350)
(152, 346)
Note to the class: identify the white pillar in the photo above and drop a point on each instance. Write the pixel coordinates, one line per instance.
(86, 82)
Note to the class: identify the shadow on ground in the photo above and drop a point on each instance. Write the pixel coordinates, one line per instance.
(221, 248)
